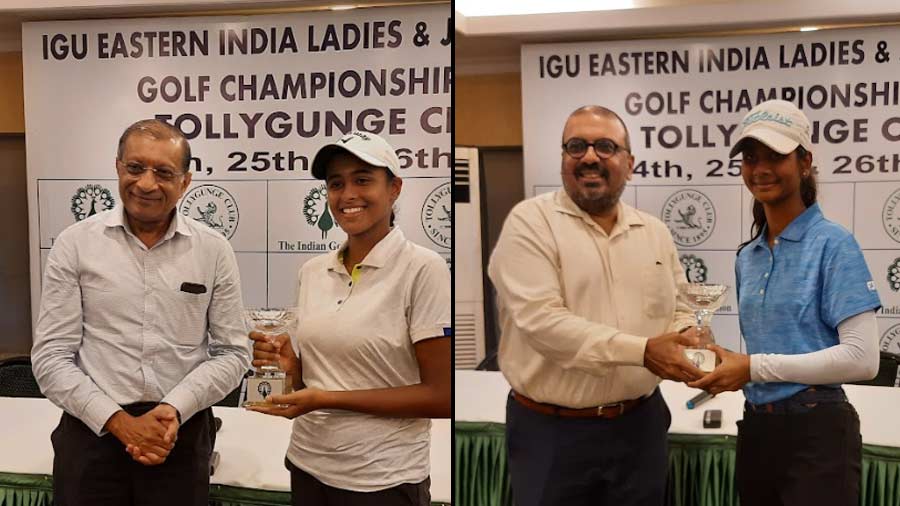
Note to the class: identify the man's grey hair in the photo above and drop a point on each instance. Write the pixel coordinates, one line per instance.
(599, 110)
(157, 130)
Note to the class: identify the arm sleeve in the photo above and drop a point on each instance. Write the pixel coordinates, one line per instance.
(429, 311)
(524, 271)
(854, 358)
(58, 337)
(229, 345)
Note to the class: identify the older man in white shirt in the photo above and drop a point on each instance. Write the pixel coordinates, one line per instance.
(140, 332)
(584, 283)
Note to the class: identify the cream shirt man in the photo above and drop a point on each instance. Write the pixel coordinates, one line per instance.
(577, 305)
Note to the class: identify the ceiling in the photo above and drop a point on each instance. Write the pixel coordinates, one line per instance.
(491, 44)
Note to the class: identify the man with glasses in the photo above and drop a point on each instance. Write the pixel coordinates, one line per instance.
(586, 289)
(140, 332)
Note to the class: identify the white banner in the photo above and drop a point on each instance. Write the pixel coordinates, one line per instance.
(257, 97)
(682, 101)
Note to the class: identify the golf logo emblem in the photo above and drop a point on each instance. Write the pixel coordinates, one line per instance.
(316, 212)
(90, 200)
(437, 215)
(213, 206)
(889, 218)
(690, 216)
(694, 268)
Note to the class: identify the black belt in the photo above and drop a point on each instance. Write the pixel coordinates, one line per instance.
(801, 402)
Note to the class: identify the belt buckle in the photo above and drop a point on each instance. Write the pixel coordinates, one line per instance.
(620, 405)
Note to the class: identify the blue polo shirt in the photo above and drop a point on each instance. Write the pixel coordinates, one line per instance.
(793, 296)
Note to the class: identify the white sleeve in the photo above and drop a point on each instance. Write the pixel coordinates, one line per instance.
(855, 358)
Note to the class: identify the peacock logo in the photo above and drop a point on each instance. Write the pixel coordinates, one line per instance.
(316, 212)
(90, 200)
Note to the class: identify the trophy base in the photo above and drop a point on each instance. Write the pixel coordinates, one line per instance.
(705, 360)
(263, 384)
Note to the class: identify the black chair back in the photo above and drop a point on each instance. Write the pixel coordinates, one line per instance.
(887, 371)
(17, 379)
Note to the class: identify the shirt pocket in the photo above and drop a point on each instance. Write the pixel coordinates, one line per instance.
(657, 291)
(186, 312)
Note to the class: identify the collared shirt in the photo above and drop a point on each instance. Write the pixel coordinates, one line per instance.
(115, 327)
(792, 297)
(577, 304)
(359, 335)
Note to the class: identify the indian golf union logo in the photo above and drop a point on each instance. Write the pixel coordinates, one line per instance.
(437, 215)
(690, 216)
(213, 206)
(264, 389)
(889, 217)
(90, 200)
(316, 212)
(694, 268)
(893, 275)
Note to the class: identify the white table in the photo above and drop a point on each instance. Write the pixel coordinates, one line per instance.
(481, 397)
(251, 446)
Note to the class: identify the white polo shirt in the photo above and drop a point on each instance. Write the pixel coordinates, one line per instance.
(359, 335)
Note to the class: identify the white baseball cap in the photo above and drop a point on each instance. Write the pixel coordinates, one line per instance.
(776, 123)
(366, 146)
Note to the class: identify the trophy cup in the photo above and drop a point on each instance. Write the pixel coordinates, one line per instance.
(704, 299)
(268, 379)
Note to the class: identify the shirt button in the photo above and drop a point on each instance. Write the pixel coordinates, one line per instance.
(776, 241)
(340, 301)
(766, 275)
(350, 283)
(761, 292)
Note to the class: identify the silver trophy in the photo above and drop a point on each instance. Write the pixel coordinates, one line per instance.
(704, 299)
(268, 379)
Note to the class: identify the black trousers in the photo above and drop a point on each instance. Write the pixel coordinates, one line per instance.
(97, 471)
(812, 457)
(588, 461)
(306, 490)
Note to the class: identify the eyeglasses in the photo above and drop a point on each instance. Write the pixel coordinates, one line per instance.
(604, 148)
(135, 169)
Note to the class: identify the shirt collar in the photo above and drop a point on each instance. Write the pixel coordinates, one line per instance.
(627, 216)
(795, 229)
(116, 218)
(386, 249)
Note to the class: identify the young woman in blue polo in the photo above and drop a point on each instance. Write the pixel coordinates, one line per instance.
(807, 307)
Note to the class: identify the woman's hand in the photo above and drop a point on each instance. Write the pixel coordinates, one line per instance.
(298, 403)
(731, 374)
(274, 350)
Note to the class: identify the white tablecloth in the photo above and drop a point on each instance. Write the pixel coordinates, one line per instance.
(481, 397)
(251, 446)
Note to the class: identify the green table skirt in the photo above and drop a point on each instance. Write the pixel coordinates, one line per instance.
(37, 490)
(701, 469)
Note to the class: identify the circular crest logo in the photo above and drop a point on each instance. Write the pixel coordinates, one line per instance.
(213, 206)
(893, 275)
(316, 212)
(890, 340)
(690, 216)
(889, 217)
(90, 200)
(264, 389)
(437, 215)
(694, 268)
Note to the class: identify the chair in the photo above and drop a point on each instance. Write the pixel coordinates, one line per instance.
(887, 371)
(17, 379)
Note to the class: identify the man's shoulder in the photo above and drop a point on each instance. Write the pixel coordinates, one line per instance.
(649, 220)
(91, 225)
(205, 233)
(533, 206)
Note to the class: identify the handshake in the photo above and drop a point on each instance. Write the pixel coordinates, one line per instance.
(664, 356)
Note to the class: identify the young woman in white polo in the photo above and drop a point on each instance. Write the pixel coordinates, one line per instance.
(370, 356)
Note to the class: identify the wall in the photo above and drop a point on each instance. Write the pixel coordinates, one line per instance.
(488, 110)
(12, 104)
